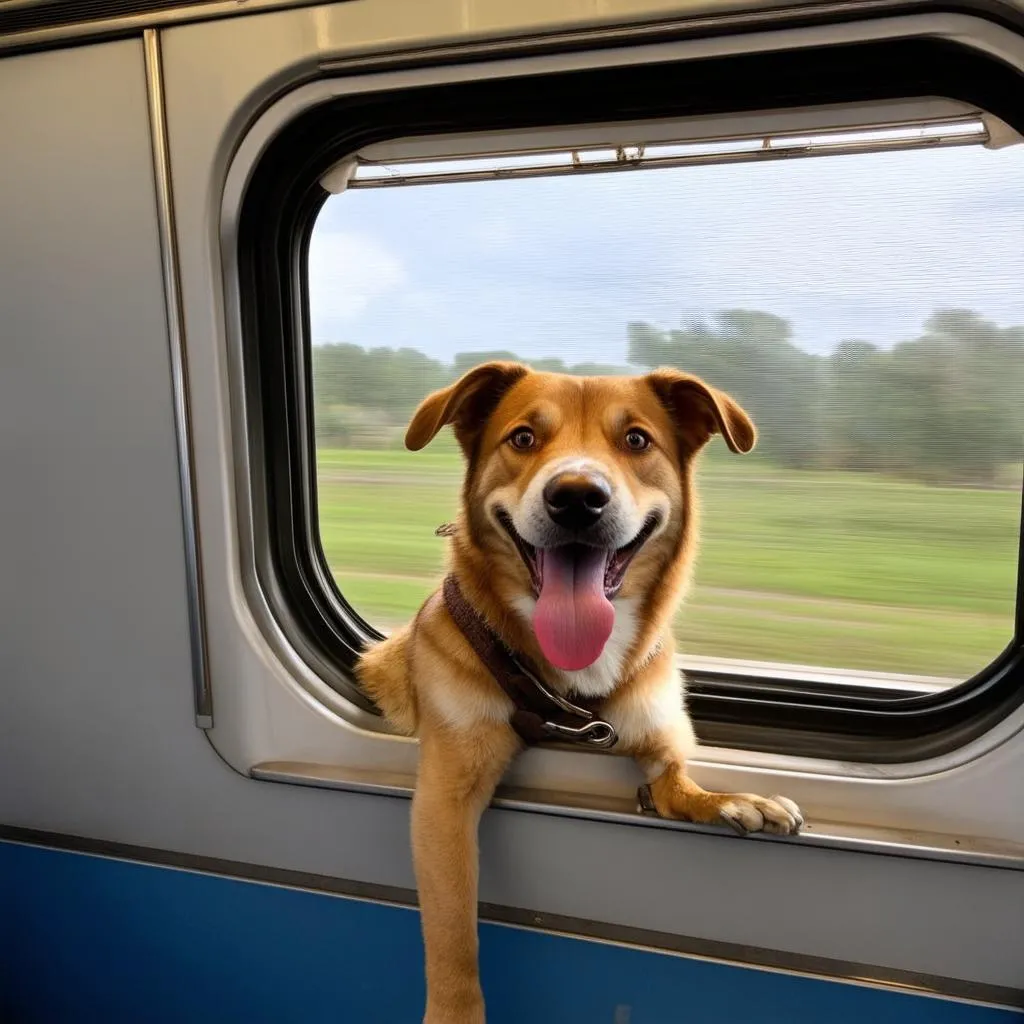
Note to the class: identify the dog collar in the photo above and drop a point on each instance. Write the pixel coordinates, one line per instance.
(540, 714)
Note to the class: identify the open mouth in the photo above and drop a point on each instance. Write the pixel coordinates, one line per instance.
(574, 585)
(616, 561)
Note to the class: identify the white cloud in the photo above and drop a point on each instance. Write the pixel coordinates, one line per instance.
(348, 272)
(863, 246)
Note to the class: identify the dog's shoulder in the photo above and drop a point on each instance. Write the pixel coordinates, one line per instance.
(449, 679)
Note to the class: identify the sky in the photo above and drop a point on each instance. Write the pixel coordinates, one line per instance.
(855, 246)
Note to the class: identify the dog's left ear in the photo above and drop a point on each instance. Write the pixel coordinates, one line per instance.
(466, 404)
(699, 410)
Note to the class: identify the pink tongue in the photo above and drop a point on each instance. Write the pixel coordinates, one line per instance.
(573, 618)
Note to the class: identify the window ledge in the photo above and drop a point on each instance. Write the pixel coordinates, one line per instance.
(826, 834)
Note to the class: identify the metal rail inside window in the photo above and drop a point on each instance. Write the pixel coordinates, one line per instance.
(361, 172)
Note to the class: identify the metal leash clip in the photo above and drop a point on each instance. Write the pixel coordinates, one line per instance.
(550, 695)
(597, 733)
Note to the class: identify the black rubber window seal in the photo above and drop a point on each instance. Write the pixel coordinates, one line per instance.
(278, 212)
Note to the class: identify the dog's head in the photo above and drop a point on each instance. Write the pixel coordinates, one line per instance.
(576, 487)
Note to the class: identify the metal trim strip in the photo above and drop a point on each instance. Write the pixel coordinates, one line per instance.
(744, 17)
(617, 811)
(179, 377)
(119, 25)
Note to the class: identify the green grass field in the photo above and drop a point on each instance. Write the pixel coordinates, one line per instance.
(834, 569)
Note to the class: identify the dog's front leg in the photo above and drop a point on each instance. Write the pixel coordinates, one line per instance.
(459, 770)
(655, 729)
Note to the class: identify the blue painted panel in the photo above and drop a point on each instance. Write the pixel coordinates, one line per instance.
(86, 939)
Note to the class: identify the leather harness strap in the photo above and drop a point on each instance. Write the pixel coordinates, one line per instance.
(540, 713)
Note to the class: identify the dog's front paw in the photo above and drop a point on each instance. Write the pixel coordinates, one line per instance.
(679, 798)
(746, 812)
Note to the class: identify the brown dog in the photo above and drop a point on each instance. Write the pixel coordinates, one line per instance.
(573, 546)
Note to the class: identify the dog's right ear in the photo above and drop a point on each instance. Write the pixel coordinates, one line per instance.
(466, 404)
(699, 410)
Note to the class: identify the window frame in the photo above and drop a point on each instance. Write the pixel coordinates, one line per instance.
(281, 202)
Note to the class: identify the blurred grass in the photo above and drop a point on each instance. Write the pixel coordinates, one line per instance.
(837, 569)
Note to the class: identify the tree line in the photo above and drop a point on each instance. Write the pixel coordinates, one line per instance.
(944, 407)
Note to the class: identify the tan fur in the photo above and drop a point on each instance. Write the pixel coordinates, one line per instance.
(429, 682)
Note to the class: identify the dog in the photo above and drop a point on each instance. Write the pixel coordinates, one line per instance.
(569, 557)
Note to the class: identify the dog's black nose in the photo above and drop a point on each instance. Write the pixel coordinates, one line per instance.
(576, 500)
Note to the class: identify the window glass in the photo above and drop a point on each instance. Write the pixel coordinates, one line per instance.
(865, 308)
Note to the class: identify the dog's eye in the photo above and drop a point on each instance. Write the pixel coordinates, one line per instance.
(637, 440)
(523, 439)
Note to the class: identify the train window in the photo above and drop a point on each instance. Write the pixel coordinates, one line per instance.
(859, 305)
(848, 271)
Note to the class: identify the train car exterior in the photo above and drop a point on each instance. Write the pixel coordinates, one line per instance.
(201, 816)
